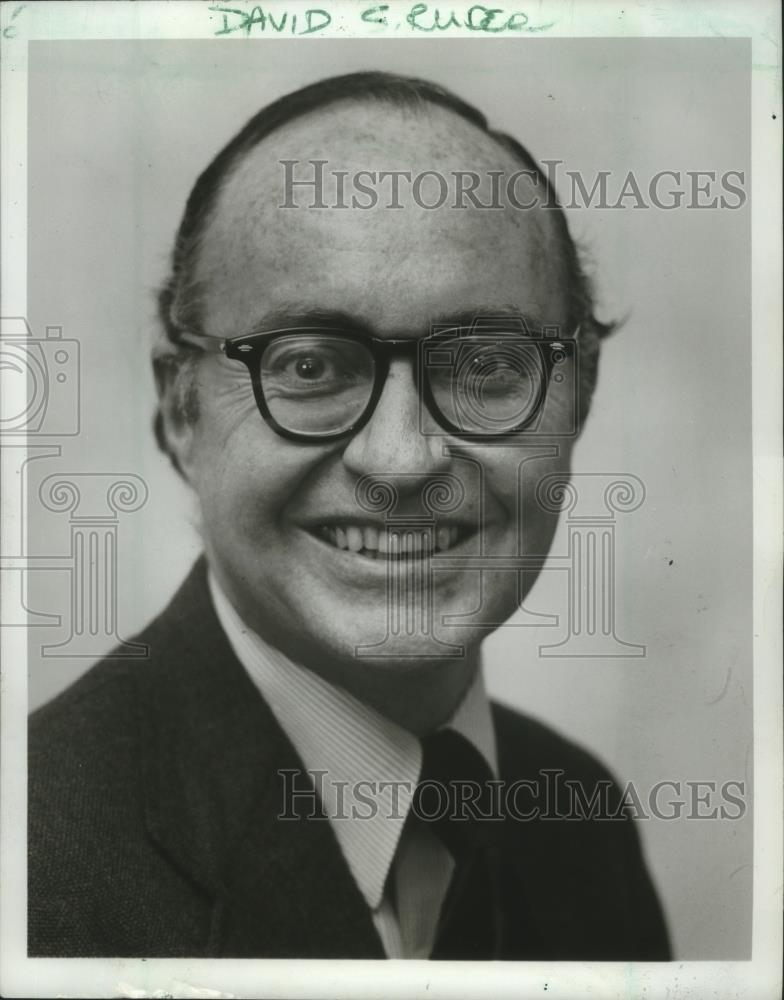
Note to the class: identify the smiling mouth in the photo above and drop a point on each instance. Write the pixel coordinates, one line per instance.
(392, 543)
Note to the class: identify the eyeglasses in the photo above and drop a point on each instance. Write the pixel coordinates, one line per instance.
(315, 384)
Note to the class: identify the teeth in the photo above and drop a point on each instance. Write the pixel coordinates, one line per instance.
(395, 542)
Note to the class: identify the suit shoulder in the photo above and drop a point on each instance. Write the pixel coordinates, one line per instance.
(99, 704)
(91, 731)
(84, 721)
(579, 850)
(528, 746)
(99, 701)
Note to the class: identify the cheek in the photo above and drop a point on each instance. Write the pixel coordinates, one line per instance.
(513, 482)
(247, 477)
(242, 484)
(229, 448)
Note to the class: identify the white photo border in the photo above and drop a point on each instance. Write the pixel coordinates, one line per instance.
(759, 977)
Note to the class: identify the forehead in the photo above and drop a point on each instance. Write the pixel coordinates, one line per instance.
(394, 268)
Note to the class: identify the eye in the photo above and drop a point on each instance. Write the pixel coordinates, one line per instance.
(310, 368)
(309, 365)
(500, 370)
(496, 368)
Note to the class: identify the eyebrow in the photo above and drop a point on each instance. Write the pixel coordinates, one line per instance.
(292, 316)
(296, 316)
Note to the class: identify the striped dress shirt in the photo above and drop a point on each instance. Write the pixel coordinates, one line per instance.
(365, 769)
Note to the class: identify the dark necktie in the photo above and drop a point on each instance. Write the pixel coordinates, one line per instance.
(467, 926)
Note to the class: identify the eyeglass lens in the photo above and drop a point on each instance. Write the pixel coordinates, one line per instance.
(487, 384)
(320, 383)
(317, 383)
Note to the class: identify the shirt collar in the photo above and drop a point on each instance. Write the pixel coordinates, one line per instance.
(364, 766)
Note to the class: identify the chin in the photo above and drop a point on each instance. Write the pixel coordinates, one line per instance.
(391, 635)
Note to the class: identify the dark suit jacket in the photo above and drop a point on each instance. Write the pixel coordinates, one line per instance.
(153, 801)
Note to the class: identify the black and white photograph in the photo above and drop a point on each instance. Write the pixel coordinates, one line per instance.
(391, 542)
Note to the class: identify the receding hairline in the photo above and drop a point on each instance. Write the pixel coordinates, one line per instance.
(491, 141)
(180, 297)
(418, 140)
(407, 94)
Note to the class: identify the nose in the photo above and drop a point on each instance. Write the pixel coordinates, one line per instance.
(392, 441)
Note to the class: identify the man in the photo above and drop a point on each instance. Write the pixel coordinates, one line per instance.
(351, 393)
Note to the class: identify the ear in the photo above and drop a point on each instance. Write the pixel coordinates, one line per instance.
(176, 418)
(589, 348)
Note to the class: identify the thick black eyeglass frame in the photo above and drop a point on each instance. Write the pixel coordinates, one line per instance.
(249, 348)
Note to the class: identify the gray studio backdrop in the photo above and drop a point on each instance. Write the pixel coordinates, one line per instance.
(118, 132)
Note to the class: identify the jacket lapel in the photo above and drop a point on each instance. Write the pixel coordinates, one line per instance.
(212, 753)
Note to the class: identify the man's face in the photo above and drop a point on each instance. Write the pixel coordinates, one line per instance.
(266, 501)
